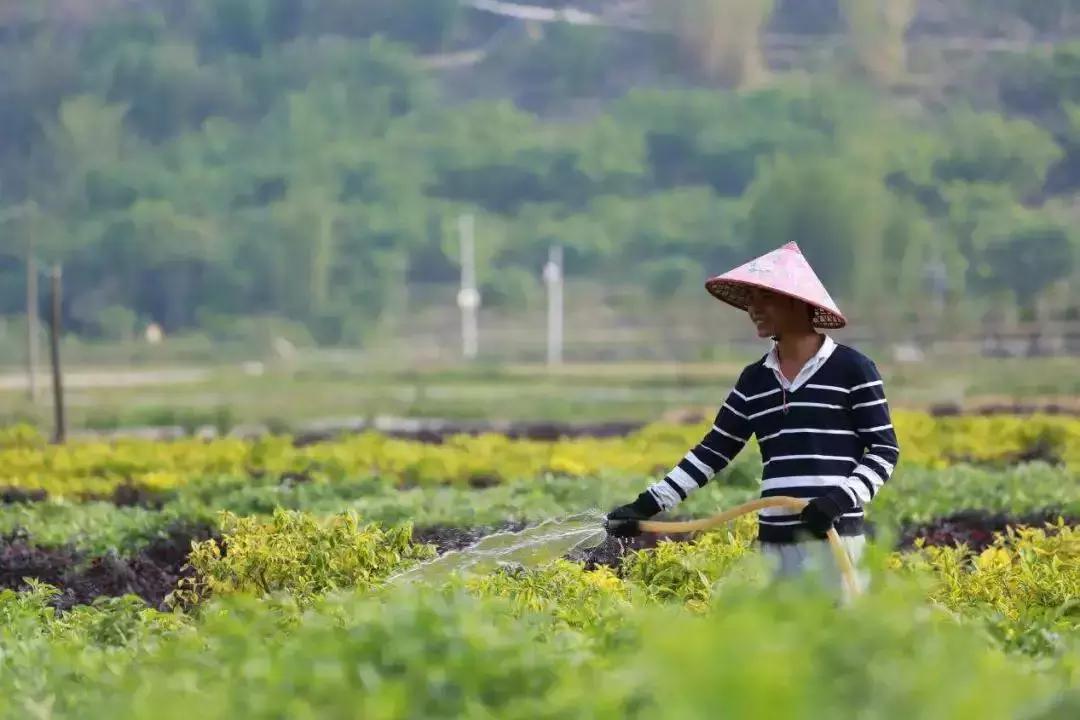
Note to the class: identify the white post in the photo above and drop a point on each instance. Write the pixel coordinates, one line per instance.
(553, 278)
(468, 297)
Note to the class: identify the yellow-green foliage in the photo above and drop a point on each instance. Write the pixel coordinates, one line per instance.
(20, 436)
(686, 572)
(592, 601)
(1027, 583)
(938, 442)
(297, 554)
(98, 468)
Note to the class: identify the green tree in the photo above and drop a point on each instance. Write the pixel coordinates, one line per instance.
(983, 147)
(720, 38)
(877, 29)
(1026, 258)
(834, 209)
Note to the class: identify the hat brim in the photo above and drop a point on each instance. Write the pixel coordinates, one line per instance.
(737, 294)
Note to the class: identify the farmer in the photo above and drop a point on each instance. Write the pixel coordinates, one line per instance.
(817, 409)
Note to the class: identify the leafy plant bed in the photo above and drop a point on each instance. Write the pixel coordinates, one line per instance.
(150, 574)
(82, 470)
(976, 528)
(154, 570)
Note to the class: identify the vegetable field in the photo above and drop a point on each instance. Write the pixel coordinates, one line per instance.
(260, 579)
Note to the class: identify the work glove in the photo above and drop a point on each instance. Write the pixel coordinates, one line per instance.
(623, 520)
(822, 512)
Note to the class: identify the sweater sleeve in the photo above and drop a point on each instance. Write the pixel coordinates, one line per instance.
(881, 451)
(727, 437)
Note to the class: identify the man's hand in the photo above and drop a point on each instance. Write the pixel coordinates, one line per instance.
(822, 512)
(623, 520)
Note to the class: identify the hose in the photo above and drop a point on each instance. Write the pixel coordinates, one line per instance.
(843, 560)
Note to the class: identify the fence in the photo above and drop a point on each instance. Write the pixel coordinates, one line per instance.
(604, 324)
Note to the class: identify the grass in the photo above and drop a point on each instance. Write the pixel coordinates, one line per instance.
(322, 386)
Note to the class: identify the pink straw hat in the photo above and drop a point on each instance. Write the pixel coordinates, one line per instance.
(784, 271)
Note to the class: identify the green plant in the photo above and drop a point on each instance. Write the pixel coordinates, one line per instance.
(296, 554)
(688, 572)
(1025, 586)
(593, 602)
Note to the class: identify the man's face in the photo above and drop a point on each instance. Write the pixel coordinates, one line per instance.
(772, 313)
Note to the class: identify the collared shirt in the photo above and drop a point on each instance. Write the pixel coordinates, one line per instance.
(833, 431)
(772, 361)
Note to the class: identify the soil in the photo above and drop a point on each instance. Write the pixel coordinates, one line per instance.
(10, 495)
(436, 432)
(976, 528)
(446, 538)
(152, 573)
(611, 551)
(128, 495)
(1068, 406)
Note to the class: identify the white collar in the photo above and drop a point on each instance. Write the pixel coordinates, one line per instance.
(772, 361)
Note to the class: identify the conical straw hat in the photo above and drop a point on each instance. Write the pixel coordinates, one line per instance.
(785, 271)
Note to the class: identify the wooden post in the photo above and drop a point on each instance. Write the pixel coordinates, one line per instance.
(31, 319)
(54, 344)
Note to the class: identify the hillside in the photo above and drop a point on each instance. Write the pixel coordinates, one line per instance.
(192, 163)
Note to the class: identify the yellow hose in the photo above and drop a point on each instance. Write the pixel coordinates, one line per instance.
(847, 568)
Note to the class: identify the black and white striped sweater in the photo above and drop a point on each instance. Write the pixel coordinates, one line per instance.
(832, 429)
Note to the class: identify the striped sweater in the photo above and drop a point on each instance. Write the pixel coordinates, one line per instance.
(832, 428)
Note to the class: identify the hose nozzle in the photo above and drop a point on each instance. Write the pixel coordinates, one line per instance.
(622, 527)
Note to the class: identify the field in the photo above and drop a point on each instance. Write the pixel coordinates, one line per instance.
(263, 578)
(111, 390)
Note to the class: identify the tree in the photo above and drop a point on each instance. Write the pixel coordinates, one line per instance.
(721, 38)
(718, 139)
(983, 147)
(834, 209)
(877, 29)
(1025, 258)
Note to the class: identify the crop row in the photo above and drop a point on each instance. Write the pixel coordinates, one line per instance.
(914, 495)
(297, 609)
(687, 630)
(98, 468)
(1024, 585)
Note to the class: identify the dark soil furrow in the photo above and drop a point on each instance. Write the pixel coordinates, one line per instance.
(976, 528)
(446, 538)
(152, 573)
(10, 495)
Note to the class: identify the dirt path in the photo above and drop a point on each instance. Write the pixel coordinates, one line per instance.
(90, 379)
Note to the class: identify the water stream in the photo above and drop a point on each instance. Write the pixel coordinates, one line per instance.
(530, 547)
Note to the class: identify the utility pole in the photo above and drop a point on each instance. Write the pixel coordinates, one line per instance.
(553, 278)
(31, 318)
(468, 297)
(54, 345)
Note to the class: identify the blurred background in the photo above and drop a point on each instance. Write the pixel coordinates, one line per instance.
(275, 212)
